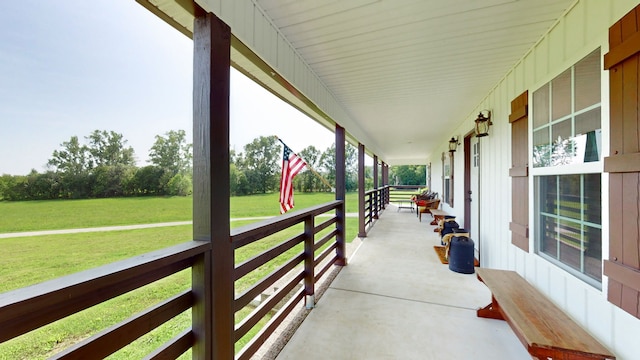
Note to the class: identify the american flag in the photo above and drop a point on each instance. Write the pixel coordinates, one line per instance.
(291, 166)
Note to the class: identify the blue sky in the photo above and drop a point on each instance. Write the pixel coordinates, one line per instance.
(70, 67)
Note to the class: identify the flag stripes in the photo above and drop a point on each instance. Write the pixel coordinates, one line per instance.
(291, 166)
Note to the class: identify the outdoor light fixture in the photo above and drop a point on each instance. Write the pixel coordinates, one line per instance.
(453, 144)
(482, 123)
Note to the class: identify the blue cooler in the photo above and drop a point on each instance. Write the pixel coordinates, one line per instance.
(461, 254)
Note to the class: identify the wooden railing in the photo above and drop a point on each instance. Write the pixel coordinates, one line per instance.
(312, 257)
(374, 203)
(29, 308)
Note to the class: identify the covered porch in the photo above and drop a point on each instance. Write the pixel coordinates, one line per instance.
(396, 300)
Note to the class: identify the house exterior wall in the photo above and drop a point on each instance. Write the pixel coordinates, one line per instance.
(582, 29)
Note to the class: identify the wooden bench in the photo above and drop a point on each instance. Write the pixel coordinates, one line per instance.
(545, 330)
(437, 216)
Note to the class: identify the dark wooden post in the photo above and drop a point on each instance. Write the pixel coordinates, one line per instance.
(309, 269)
(340, 195)
(385, 182)
(376, 197)
(213, 313)
(361, 215)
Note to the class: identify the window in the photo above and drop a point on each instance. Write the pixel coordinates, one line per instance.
(567, 169)
(447, 178)
(566, 116)
(569, 232)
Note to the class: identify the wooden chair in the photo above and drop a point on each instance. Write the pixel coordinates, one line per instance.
(429, 205)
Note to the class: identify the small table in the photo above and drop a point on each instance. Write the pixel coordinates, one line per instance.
(407, 201)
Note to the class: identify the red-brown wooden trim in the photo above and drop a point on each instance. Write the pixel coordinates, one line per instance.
(112, 339)
(173, 348)
(246, 324)
(341, 191)
(213, 315)
(520, 242)
(622, 163)
(623, 51)
(29, 308)
(521, 171)
(251, 293)
(519, 229)
(623, 266)
(624, 274)
(518, 114)
(262, 335)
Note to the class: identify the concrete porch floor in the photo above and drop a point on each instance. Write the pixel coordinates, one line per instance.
(395, 300)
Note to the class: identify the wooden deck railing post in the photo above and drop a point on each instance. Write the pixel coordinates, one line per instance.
(309, 268)
(385, 182)
(213, 313)
(361, 195)
(340, 195)
(376, 199)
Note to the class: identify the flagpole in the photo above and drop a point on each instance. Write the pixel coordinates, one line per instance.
(312, 169)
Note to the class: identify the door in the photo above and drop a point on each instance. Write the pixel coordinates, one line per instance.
(472, 188)
(475, 193)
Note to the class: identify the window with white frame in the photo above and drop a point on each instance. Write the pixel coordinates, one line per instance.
(567, 170)
(447, 178)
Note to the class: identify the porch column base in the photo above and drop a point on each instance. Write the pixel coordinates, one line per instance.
(309, 302)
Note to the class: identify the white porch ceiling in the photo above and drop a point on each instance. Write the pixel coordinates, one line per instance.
(406, 72)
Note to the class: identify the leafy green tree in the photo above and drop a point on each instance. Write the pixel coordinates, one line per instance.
(180, 185)
(172, 153)
(108, 148)
(146, 181)
(43, 186)
(408, 174)
(238, 184)
(261, 164)
(328, 165)
(306, 180)
(112, 180)
(73, 162)
(72, 159)
(6, 181)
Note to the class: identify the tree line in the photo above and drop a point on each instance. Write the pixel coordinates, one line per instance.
(104, 166)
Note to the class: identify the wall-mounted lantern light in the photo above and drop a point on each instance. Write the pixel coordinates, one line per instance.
(482, 123)
(453, 144)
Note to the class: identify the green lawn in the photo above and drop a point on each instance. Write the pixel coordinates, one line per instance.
(30, 260)
(64, 214)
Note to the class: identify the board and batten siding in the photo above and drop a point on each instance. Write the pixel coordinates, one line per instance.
(582, 29)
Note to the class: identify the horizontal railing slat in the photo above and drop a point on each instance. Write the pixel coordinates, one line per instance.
(247, 234)
(324, 254)
(325, 224)
(246, 297)
(325, 268)
(173, 348)
(325, 239)
(266, 256)
(252, 319)
(29, 308)
(120, 335)
(264, 333)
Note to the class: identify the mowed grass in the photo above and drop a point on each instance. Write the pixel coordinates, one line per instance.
(30, 260)
(71, 214)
